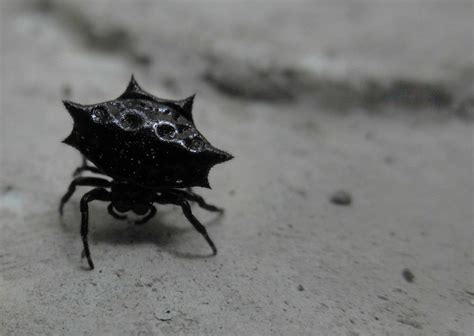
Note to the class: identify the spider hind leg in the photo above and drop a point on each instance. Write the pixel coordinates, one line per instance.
(86, 167)
(193, 197)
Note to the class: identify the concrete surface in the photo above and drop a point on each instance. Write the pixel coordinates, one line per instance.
(371, 98)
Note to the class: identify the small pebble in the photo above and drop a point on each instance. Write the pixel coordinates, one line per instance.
(341, 197)
(300, 288)
(408, 275)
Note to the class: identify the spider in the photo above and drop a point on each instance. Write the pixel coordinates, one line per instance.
(152, 151)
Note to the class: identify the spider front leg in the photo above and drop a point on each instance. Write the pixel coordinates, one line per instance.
(172, 198)
(99, 194)
(82, 181)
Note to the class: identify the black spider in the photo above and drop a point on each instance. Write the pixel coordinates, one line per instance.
(151, 149)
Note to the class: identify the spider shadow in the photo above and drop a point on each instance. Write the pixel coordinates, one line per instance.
(104, 228)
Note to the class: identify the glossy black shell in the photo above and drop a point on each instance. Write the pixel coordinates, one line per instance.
(145, 140)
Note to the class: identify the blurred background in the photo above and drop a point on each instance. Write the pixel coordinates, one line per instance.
(349, 204)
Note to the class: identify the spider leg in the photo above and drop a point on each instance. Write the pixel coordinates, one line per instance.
(189, 195)
(186, 208)
(114, 214)
(197, 225)
(149, 216)
(81, 167)
(82, 181)
(99, 194)
(91, 169)
(85, 167)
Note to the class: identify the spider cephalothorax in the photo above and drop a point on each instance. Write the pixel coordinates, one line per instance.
(151, 149)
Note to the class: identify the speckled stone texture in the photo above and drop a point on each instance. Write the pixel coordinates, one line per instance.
(313, 98)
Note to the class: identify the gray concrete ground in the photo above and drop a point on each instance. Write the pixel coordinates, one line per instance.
(372, 98)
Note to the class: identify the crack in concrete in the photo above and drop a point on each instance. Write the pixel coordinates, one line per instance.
(325, 81)
(290, 82)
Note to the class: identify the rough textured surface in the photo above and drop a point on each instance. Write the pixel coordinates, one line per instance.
(290, 262)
